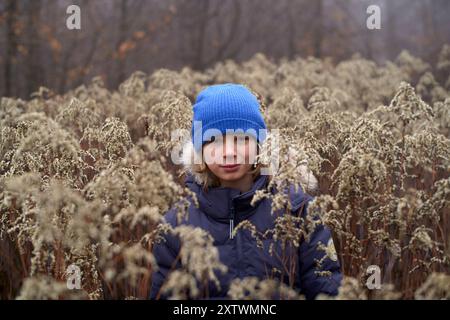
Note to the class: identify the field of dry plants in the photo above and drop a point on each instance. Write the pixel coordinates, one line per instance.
(85, 177)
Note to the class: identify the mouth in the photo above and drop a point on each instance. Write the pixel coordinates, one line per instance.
(230, 167)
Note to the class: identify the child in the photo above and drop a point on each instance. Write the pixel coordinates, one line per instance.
(224, 181)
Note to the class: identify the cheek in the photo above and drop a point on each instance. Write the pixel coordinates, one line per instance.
(246, 168)
(209, 155)
(249, 153)
(214, 168)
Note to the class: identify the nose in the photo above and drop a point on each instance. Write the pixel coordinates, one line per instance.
(229, 151)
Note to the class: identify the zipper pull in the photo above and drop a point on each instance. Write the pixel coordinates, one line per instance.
(231, 222)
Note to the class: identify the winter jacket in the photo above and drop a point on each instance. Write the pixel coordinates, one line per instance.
(221, 207)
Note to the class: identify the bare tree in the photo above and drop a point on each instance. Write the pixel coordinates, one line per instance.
(11, 44)
(121, 36)
(318, 28)
(34, 67)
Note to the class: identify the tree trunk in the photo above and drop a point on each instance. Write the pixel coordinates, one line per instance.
(123, 32)
(11, 44)
(34, 70)
(203, 22)
(318, 29)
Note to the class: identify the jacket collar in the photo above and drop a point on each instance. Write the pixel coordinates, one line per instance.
(217, 202)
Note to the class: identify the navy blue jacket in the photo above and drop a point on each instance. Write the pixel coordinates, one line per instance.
(240, 253)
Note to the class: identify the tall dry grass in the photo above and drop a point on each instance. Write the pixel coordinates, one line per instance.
(85, 178)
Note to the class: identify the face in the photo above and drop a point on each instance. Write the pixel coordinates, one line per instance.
(231, 157)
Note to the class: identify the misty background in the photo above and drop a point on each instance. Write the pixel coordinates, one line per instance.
(118, 37)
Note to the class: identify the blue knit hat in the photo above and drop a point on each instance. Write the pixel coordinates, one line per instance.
(223, 107)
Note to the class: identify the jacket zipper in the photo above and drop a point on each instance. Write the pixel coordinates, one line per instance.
(231, 220)
(238, 239)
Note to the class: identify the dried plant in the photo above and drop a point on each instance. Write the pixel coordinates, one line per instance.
(252, 288)
(86, 177)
